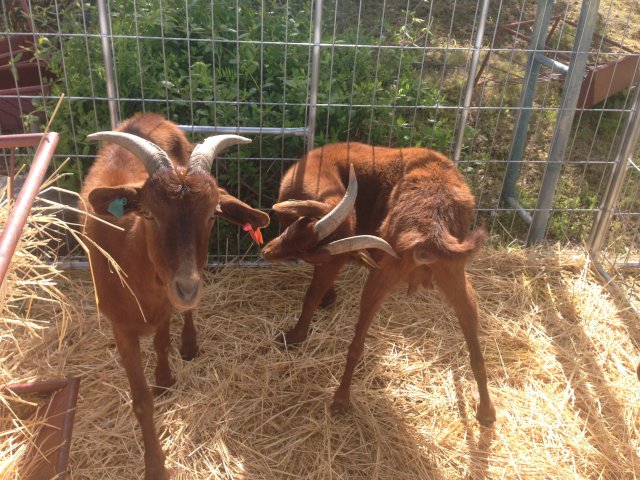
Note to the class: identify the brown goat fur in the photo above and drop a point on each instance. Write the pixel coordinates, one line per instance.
(413, 198)
(161, 249)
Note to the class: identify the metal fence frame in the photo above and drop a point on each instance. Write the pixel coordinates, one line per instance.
(611, 266)
(469, 109)
(307, 131)
(45, 147)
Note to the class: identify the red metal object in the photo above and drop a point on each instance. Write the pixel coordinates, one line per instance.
(600, 81)
(15, 102)
(48, 458)
(608, 79)
(17, 218)
(21, 75)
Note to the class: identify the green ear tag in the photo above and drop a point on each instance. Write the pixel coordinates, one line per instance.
(116, 207)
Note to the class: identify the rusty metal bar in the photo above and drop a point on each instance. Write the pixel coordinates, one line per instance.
(556, 20)
(603, 38)
(53, 443)
(12, 173)
(17, 218)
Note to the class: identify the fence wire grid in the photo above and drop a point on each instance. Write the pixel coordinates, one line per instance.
(291, 74)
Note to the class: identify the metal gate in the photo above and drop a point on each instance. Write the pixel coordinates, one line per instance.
(530, 99)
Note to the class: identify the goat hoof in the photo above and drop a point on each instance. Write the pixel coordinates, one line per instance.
(340, 405)
(329, 299)
(290, 338)
(156, 474)
(163, 387)
(154, 467)
(189, 353)
(486, 416)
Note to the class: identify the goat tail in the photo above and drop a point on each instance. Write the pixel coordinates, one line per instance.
(450, 245)
(447, 245)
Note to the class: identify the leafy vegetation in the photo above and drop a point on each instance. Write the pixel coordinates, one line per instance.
(247, 63)
(255, 73)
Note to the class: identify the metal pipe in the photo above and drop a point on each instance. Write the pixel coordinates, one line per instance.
(298, 131)
(107, 55)
(71, 399)
(75, 264)
(20, 140)
(543, 15)
(315, 72)
(12, 173)
(513, 203)
(471, 80)
(570, 93)
(551, 63)
(625, 152)
(18, 215)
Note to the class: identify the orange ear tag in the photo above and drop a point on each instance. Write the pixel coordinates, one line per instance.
(256, 235)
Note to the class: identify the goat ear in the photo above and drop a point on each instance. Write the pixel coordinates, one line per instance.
(302, 208)
(238, 212)
(117, 201)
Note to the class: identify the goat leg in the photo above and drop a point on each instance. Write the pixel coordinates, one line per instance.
(142, 400)
(189, 349)
(329, 298)
(452, 280)
(162, 344)
(378, 285)
(321, 283)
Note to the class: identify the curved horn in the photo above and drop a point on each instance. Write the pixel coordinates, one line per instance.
(205, 153)
(332, 220)
(153, 157)
(359, 242)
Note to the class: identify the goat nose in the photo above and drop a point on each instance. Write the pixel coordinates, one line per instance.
(266, 254)
(187, 288)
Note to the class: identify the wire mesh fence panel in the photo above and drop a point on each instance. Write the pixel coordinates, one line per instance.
(391, 74)
(620, 257)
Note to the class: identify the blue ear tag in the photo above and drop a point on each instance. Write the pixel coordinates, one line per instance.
(116, 207)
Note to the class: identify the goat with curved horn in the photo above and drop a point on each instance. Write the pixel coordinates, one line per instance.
(415, 199)
(151, 155)
(205, 153)
(161, 243)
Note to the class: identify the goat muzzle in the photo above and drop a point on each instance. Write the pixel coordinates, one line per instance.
(186, 292)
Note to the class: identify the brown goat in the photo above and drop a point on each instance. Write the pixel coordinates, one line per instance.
(413, 198)
(164, 199)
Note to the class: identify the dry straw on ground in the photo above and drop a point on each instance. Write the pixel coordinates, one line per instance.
(560, 352)
(33, 312)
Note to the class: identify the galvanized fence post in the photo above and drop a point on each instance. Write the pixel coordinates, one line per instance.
(315, 71)
(538, 37)
(570, 93)
(107, 55)
(625, 152)
(470, 80)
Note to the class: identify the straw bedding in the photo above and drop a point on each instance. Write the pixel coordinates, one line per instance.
(560, 353)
